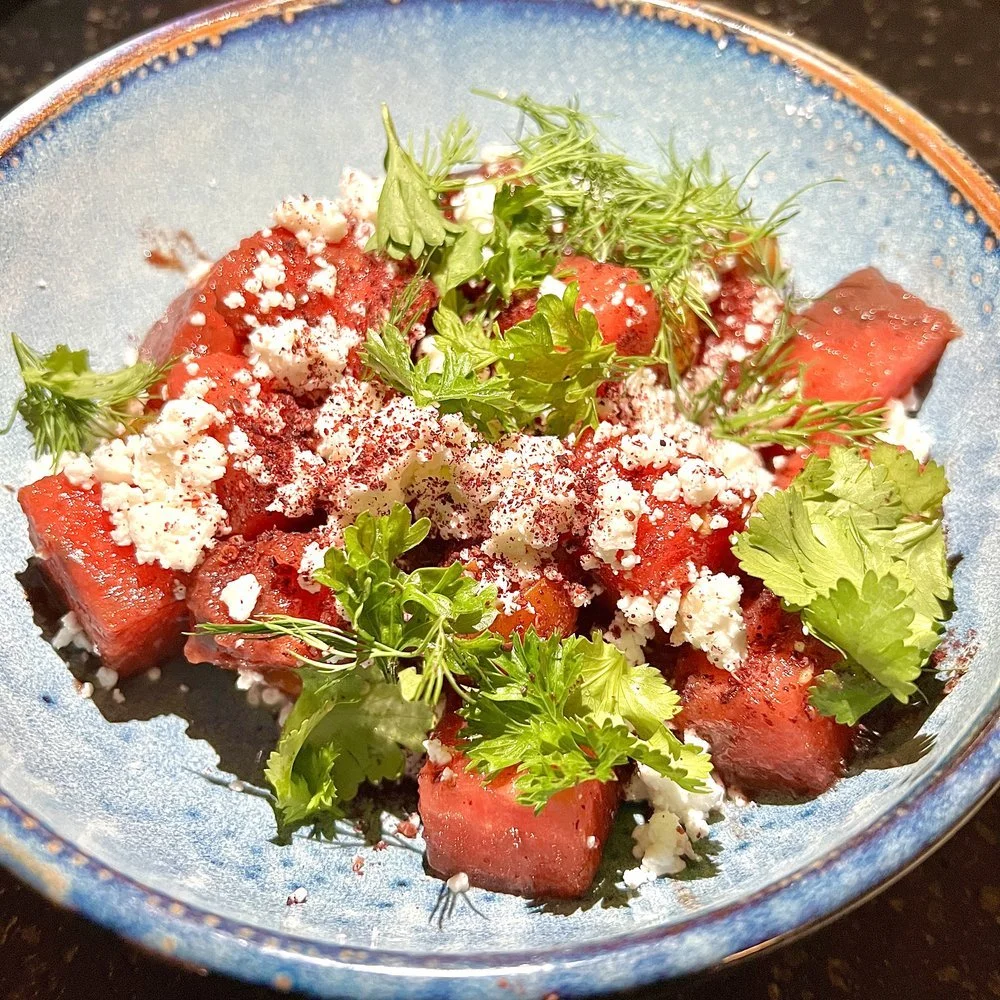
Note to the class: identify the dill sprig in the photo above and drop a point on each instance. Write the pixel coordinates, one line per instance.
(69, 407)
(762, 403)
(662, 222)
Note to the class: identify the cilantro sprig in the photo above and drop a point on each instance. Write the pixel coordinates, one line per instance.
(68, 406)
(857, 548)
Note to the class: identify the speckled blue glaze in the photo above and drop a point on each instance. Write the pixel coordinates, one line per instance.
(116, 820)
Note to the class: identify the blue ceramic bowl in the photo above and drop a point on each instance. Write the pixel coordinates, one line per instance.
(204, 125)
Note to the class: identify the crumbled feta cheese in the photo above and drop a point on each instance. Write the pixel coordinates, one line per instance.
(906, 431)
(106, 678)
(71, 633)
(427, 348)
(630, 639)
(86, 690)
(300, 356)
(664, 843)
(636, 610)
(474, 204)
(698, 483)
(158, 485)
(616, 519)
(437, 752)
(240, 596)
(458, 883)
(552, 286)
(297, 897)
(666, 610)
(234, 300)
(197, 319)
(709, 617)
(359, 194)
(314, 222)
(323, 280)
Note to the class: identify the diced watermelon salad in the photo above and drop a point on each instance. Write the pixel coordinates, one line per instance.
(489, 478)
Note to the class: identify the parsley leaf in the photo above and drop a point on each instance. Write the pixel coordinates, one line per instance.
(422, 615)
(858, 547)
(69, 407)
(564, 711)
(409, 221)
(344, 729)
(522, 251)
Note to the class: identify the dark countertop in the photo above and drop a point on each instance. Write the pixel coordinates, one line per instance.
(935, 933)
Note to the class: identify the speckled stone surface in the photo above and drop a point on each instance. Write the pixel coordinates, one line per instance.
(936, 934)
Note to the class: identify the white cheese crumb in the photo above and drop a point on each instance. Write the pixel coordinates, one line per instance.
(906, 431)
(437, 752)
(666, 610)
(709, 617)
(234, 300)
(315, 222)
(474, 204)
(458, 883)
(86, 690)
(197, 319)
(616, 519)
(664, 842)
(297, 897)
(106, 678)
(552, 286)
(637, 610)
(71, 633)
(240, 596)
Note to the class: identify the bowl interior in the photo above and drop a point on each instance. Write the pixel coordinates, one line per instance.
(208, 142)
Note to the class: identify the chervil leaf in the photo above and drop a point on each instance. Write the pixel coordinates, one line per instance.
(344, 730)
(69, 407)
(564, 711)
(859, 548)
(557, 360)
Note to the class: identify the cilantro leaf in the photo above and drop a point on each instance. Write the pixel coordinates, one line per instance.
(871, 627)
(69, 407)
(921, 488)
(858, 547)
(846, 695)
(344, 729)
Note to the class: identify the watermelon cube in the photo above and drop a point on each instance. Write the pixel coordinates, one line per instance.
(130, 612)
(481, 829)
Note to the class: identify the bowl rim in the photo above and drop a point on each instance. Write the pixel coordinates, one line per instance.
(44, 859)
